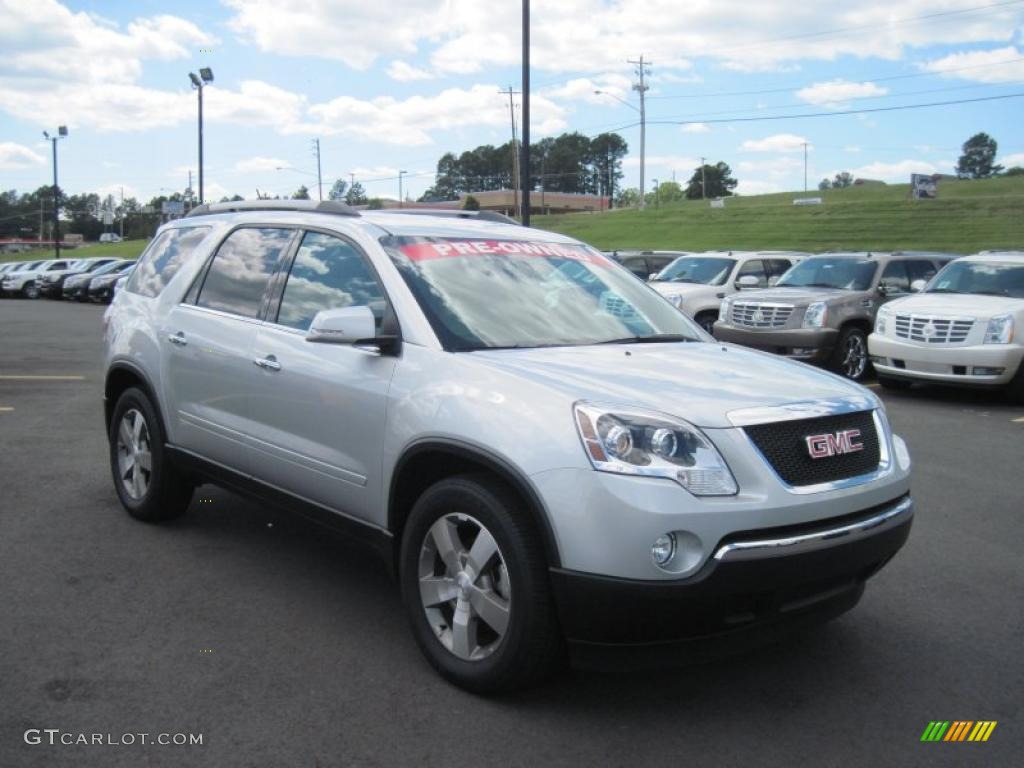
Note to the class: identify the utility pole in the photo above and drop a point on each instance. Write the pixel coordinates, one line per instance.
(642, 88)
(805, 166)
(319, 176)
(401, 200)
(188, 189)
(703, 179)
(526, 183)
(515, 149)
(40, 219)
(62, 133)
(121, 217)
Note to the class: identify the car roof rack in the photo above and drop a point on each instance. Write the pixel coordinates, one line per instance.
(453, 213)
(306, 206)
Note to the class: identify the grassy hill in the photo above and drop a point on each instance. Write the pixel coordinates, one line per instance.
(128, 249)
(968, 216)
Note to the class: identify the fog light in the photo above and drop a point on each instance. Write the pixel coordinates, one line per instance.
(663, 549)
(803, 351)
(979, 370)
(876, 360)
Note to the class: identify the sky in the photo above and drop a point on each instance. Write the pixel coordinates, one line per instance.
(391, 86)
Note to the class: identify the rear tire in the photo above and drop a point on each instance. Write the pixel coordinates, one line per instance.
(1015, 389)
(887, 382)
(475, 587)
(30, 290)
(850, 358)
(148, 485)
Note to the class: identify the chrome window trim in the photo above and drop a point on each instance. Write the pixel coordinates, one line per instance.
(809, 542)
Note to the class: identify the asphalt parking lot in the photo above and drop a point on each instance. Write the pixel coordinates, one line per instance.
(284, 647)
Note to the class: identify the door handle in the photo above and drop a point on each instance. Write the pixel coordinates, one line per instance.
(177, 338)
(268, 363)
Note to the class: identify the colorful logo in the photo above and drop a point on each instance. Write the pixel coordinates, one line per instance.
(958, 730)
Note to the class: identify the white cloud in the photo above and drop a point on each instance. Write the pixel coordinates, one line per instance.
(583, 89)
(757, 187)
(410, 121)
(16, 157)
(678, 163)
(835, 92)
(260, 164)
(1009, 161)
(998, 65)
(695, 128)
(780, 142)
(405, 72)
(898, 172)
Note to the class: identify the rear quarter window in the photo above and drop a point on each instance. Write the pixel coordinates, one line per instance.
(168, 253)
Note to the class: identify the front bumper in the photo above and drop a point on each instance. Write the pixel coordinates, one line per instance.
(756, 581)
(946, 364)
(102, 293)
(812, 345)
(51, 289)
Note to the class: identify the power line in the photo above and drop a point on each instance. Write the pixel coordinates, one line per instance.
(841, 112)
(789, 89)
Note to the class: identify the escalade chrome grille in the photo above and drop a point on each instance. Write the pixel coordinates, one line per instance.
(760, 315)
(784, 445)
(933, 330)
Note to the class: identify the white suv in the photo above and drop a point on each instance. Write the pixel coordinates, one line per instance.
(965, 327)
(696, 283)
(542, 448)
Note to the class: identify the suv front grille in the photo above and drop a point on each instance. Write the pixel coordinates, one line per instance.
(784, 445)
(933, 330)
(760, 315)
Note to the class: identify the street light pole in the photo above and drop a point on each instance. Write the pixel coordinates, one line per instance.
(319, 175)
(524, 165)
(401, 200)
(62, 133)
(205, 77)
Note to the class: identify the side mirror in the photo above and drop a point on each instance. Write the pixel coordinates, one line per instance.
(348, 325)
(652, 276)
(918, 285)
(747, 281)
(882, 289)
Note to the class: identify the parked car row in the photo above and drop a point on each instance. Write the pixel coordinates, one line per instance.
(89, 279)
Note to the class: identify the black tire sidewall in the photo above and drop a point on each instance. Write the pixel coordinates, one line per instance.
(529, 613)
(840, 354)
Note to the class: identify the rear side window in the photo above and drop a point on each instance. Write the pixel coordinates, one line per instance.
(754, 268)
(920, 270)
(242, 268)
(894, 277)
(164, 257)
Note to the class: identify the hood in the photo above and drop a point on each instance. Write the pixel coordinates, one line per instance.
(796, 296)
(699, 382)
(961, 304)
(666, 288)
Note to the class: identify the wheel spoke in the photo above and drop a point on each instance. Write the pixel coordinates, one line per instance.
(125, 433)
(435, 590)
(137, 488)
(446, 540)
(490, 607)
(480, 554)
(137, 429)
(145, 460)
(464, 626)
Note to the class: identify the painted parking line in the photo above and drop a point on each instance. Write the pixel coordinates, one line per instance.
(28, 377)
(1018, 421)
(6, 408)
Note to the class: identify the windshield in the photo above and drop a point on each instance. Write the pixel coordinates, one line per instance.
(697, 269)
(487, 294)
(976, 277)
(106, 269)
(850, 274)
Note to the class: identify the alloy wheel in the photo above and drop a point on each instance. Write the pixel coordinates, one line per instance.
(464, 586)
(856, 357)
(134, 455)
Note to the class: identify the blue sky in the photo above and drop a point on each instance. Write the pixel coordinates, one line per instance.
(394, 85)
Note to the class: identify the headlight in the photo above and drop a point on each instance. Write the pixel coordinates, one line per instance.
(635, 442)
(725, 311)
(676, 300)
(881, 319)
(815, 314)
(1000, 330)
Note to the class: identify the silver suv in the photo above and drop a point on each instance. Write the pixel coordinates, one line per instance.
(543, 449)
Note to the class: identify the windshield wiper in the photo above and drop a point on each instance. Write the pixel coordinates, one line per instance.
(657, 338)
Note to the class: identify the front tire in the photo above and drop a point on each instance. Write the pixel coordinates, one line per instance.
(706, 320)
(850, 358)
(475, 587)
(30, 290)
(148, 485)
(1015, 389)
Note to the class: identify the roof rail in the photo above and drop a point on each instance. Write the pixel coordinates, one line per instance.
(453, 213)
(308, 206)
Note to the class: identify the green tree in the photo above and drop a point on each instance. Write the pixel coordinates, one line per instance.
(356, 195)
(628, 198)
(301, 193)
(824, 184)
(978, 158)
(606, 153)
(718, 178)
(1014, 171)
(375, 204)
(338, 191)
(471, 203)
(842, 180)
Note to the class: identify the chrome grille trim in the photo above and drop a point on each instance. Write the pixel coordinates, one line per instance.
(932, 329)
(756, 314)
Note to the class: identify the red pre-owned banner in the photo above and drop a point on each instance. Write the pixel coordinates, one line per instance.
(445, 249)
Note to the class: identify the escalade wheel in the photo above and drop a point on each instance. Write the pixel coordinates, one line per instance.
(851, 356)
(30, 291)
(706, 320)
(146, 483)
(474, 584)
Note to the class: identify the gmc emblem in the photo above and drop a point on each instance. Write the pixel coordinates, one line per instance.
(833, 444)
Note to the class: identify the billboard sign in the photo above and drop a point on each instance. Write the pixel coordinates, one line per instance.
(173, 207)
